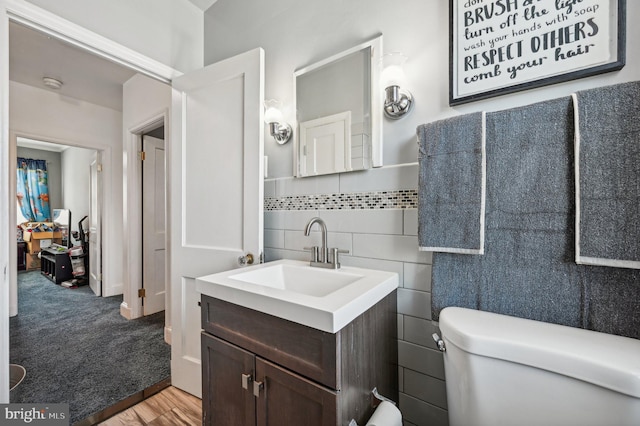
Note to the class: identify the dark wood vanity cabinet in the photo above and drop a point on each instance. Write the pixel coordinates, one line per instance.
(262, 370)
(283, 397)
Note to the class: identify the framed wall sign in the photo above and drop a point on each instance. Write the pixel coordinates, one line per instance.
(503, 46)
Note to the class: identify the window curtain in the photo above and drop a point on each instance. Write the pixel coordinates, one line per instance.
(33, 190)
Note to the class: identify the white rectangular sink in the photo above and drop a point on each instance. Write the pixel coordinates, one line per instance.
(324, 299)
(299, 278)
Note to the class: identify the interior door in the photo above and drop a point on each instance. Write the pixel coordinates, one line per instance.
(153, 225)
(95, 228)
(216, 190)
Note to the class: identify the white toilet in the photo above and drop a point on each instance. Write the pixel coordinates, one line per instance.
(503, 370)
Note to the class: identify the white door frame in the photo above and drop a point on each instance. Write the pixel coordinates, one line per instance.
(107, 161)
(47, 22)
(94, 266)
(132, 243)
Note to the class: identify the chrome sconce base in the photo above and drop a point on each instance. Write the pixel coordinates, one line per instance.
(281, 132)
(397, 102)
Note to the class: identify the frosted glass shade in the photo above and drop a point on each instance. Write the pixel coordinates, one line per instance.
(393, 73)
(272, 113)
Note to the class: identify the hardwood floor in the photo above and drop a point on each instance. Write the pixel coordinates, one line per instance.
(170, 407)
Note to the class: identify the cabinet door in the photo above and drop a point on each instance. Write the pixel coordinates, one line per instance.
(289, 399)
(224, 400)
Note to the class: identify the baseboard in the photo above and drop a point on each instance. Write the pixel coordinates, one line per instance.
(167, 335)
(114, 290)
(125, 311)
(13, 311)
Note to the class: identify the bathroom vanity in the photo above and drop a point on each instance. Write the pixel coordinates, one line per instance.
(261, 369)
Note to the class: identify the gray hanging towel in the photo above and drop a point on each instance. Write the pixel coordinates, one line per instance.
(451, 187)
(607, 171)
(527, 269)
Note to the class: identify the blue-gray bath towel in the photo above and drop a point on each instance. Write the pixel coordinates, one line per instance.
(451, 194)
(527, 269)
(607, 150)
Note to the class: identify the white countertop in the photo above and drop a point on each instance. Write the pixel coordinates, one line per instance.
(324, 311)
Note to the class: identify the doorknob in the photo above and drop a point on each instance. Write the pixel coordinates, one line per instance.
(245, 260)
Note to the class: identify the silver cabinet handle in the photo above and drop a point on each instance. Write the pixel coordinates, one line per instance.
(246, 378)
(257, 386)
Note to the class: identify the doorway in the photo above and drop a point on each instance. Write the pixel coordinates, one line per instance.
(69, 189)
(57, 115)
(87, 128)
(112, 172)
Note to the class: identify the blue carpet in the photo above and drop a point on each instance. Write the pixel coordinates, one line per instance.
(78, 349)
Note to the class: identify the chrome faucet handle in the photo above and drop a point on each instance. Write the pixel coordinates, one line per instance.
(334, 256)
(315, 250)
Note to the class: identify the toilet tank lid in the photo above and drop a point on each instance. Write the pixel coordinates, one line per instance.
(605, 360)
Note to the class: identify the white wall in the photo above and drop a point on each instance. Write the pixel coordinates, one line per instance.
(76, 188)
(169, 31)
(144, 101)
(295, 34)
(39, 114)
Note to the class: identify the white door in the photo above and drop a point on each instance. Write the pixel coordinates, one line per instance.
(216, 190)
(153, 225)
(95, 228)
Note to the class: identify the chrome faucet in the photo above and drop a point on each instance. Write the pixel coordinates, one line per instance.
(322, 256)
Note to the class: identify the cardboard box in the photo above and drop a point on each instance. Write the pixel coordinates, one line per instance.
(57, 235)
(35, 246)
(40, 231)
(32, 261)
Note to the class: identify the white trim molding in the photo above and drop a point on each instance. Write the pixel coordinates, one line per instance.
(132, 242)
(7, 232)
(125, 311)
(41, 20)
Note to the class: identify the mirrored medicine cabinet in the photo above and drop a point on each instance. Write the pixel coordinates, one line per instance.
(339, 112)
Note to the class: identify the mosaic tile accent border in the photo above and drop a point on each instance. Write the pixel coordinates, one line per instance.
(402, 199)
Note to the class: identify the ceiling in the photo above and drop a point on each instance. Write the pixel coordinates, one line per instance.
(203, 4)
(84, 76)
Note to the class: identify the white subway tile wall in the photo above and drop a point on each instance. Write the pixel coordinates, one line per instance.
(378, 237)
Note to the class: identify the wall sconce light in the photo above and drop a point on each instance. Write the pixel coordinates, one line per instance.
(280, 130)
(397, 101)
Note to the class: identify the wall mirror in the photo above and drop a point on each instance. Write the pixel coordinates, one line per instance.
(339, 112)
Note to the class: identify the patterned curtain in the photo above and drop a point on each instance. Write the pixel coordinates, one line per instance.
(33, 191)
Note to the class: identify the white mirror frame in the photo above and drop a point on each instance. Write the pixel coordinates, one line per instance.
(376, 100)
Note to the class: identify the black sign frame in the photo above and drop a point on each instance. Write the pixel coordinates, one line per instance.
(616, 37)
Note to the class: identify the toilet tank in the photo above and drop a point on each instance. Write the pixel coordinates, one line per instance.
(503, 370)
